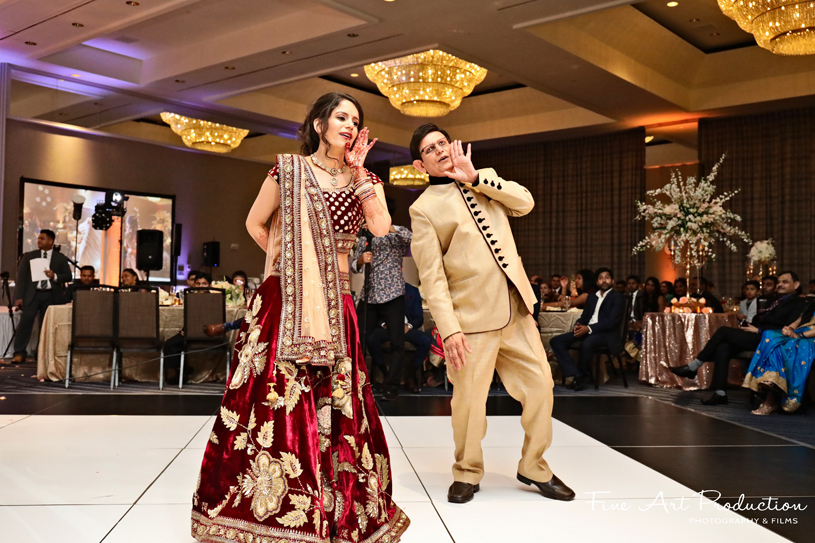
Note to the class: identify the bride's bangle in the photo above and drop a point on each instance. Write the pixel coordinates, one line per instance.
(365, 191)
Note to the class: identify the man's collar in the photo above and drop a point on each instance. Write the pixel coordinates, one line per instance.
(440, 180)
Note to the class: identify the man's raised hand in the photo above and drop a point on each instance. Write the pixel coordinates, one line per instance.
(463, 169)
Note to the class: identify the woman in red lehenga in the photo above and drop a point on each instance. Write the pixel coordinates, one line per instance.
(297, 454)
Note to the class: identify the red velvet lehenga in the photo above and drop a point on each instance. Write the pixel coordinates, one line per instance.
(297, 453)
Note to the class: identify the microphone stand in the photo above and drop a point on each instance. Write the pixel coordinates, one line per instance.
(7, 293)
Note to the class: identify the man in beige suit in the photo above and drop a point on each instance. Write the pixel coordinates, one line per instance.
(481, 300)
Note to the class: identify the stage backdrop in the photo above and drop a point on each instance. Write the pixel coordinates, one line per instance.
(584, 193)
(770, 157)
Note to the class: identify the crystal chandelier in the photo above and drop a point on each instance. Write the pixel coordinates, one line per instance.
(408, 176)
(204, 135)
(785, 27)
(429, 84)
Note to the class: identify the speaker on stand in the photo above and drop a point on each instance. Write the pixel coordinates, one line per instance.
(149, 251)
(212, 254)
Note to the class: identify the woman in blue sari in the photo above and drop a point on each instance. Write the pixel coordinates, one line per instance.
(781, 364)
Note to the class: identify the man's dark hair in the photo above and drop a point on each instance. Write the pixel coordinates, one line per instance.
(620, 282)
(202, 275)
(193, 274)
(49, 233)
(753, 283)
(418, 136)
(773, 278)
(792, 274)
(681, 281)
(634, 277)
(556, 275)
(604, 270)
(88, 268)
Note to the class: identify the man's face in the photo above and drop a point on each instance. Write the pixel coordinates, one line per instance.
(44, 243)
(632, 285)
(604, 281)
(786, 285)
(554, 283)
(750, 292)
(620, 287)
(202, 282)
(86, 277)
(435, 152)
(768, 286)
(191, 281)
(681, 289)
(693, 285)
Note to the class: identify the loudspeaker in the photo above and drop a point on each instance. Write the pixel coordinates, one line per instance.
(177, 240)
(149, 250)
(212, 253)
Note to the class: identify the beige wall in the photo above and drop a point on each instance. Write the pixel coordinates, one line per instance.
(213, 192)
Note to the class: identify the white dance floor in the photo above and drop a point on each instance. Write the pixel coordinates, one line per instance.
(129, 479)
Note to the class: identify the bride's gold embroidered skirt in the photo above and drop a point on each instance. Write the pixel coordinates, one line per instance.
(297, 453)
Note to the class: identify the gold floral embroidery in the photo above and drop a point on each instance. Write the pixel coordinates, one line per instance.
(291, 465)
(229, 418)
(266, 484)
(252, 356)
(362, 520)
(265, 436)
(213, 438)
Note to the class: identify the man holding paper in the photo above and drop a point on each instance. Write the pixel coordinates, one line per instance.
(40, 279)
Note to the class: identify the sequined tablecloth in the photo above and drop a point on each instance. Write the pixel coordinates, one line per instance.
(55, 336)
(674, 339)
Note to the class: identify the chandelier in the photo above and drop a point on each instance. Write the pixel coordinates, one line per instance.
(408, 176)
(204, 135)
(785, 27)
(429, 84)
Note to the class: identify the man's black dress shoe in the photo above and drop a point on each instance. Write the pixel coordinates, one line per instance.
(460, 492)
(554, 488)
(684, 371)
(580, 383)
(716, 399)
(389, 393)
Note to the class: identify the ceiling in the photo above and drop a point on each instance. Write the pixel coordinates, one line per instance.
(557, 68)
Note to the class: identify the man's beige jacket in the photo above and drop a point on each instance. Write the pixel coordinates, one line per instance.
(465, 252)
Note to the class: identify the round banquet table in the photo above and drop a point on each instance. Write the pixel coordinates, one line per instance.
(554, 323)
(674, 339)
(7, 331)
(55, 335)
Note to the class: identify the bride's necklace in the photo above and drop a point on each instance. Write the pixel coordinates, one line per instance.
(333, 172)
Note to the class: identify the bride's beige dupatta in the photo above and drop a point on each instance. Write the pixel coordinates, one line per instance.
(312, 326)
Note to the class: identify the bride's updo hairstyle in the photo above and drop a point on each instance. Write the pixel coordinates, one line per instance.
(321, 109)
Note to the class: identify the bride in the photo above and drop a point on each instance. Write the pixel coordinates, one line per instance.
(297, 453)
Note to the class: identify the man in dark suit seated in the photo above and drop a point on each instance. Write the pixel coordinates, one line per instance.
(597, 327)
(699, 290)
(414, 319)
(728, 342)
(36, 296)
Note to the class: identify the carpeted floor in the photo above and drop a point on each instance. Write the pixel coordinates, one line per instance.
(798, 427)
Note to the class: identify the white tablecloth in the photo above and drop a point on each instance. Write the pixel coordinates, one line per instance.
(6, 332)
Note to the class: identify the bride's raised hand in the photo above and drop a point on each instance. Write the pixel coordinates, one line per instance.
(355, 156)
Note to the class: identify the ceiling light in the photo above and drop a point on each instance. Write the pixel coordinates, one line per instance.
(390, 0)
(649, 139)
(229, 67)
(353, 35)
(428, 84)
(714, 34)
(355, 75)
(131, 3)
(78, 25)
(785, 27)
(205, 135)
(695, 20)
(672, 4)
(75, 75)
(285, 52)
(407, 176)
(31, 43)
(180, 81)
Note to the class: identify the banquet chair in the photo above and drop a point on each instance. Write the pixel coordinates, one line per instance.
(139, 326)
(203, 306)
(610, 356)
(93, 325)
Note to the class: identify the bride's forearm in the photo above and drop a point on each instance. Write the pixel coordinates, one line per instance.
(260, 234)
(372, 200)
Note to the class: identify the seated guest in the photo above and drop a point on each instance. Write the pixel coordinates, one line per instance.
(130, 278)
(87, 276)
(666, 288)
(711, 288)
(781, 364)
(174, 346)
(414, 318)
(681, 287)
(597, 327)
(632, 287)
(749, 305)
(728, 342)
(768, 284)
(554, 284)
(700, 291)
(546, 293)
(650, 300)
(191, 277)
(240, 279)
(620, 286)
(585, 283)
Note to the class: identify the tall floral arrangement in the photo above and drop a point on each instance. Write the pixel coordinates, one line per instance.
(686, 218)
(762, 252)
